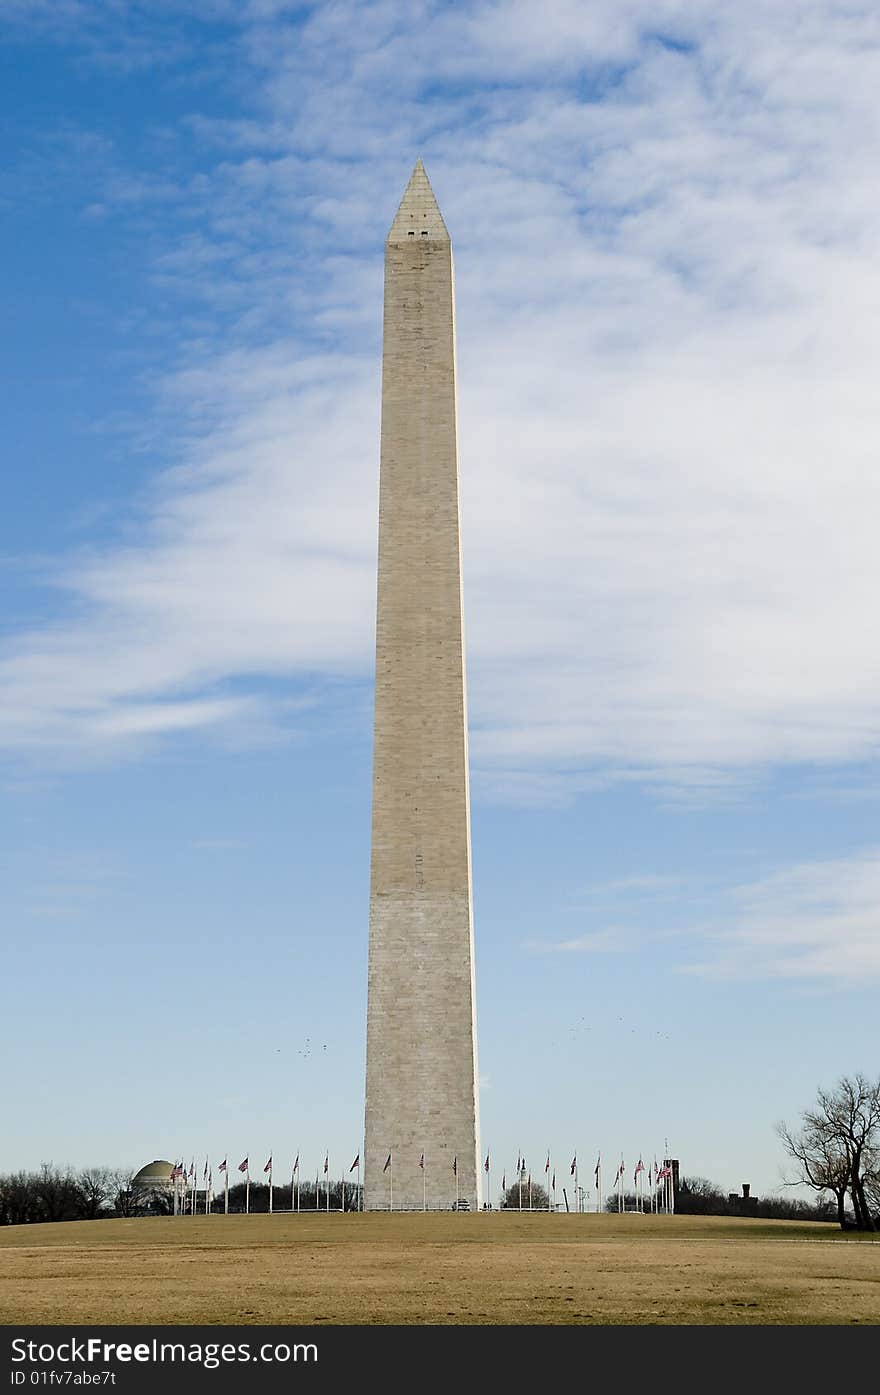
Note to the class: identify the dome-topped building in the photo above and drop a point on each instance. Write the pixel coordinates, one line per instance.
(155, 1175)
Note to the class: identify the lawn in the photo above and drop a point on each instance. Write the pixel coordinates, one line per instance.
(483, 1268)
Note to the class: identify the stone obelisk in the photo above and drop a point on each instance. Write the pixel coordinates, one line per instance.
(421, 1095)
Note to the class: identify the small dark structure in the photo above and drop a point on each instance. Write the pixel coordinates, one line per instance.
(745, 1205)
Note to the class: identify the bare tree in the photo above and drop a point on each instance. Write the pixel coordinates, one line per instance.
(55, 1191)
(18, 1201)
(837, 1147)
(822, 1161)
(127, 1199)
(94, 1189)
(698, 1196)
(853, 1110)
(534, 1196)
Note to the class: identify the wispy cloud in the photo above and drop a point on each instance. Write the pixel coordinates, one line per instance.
(816, 920)
(811, 921)
(614, 940)
(665, 237)
(649, 883)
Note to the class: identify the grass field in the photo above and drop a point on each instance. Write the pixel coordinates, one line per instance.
(442, 1268)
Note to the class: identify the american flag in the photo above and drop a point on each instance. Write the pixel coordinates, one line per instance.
(222, 1167)
(268, 1167)
(387, 1163)
(296, 1164)
(547, 1164)
(640, 1167)
(574, 1163)
(326, 1161)
(486, 1163)
(422, 1161)
(243, 1166)
(598, 1165)
(455, 1165)
(356, 1163)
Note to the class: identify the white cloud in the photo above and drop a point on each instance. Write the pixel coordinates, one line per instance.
(614, 940)
(667, 306)
(807, 922)
(818, 920)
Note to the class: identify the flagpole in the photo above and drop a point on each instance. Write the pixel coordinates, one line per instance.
(327, 1175)
(391, 1182)
(247, 1191)
(519, 1170)
(226, 1187)
(424, 1185)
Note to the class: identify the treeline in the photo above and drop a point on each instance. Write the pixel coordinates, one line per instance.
(101, 1193)
(697, 1196)
(63, 1194)
(343, 1196)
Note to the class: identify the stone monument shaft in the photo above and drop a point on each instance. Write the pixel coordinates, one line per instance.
(421, 1087)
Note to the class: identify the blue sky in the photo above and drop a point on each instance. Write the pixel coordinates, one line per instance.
(664, 221)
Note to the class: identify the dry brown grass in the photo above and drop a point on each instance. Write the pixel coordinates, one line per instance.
(475, 1269)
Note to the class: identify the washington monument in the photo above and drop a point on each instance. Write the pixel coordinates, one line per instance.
(421, 1095)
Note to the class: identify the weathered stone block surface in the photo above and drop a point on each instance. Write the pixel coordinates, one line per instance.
(421, 1091)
